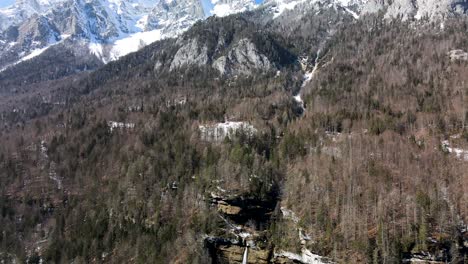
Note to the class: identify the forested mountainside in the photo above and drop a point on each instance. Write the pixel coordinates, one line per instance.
(318, 139)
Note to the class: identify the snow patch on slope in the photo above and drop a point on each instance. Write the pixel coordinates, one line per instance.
(461, 154)
(282, 6)
(133, 43)
(170, 23)
(33, 54)
(219, 131)
(305, 257)
(223, 8)
(96, 49)
(458, 55)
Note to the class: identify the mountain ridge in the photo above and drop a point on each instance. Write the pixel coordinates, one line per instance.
(115, 28)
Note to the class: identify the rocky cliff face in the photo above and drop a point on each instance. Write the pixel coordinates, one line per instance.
(244, 239)
(232, 49)
(410, 9)
(404, 9)
(240, 241)
(190, 54)
(174, 17)
(243, 58)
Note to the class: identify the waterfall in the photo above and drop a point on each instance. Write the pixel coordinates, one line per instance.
(244, 259)
(308, 76)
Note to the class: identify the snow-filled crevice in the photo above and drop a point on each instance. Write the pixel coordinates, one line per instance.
(52, 172)
(307, 78)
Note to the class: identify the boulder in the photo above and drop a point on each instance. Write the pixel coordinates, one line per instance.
(228, 209)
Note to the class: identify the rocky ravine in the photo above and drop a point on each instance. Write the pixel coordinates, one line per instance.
(244, 237)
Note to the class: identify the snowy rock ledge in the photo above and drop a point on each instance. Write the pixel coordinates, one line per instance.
(458, 55)
(460, 153)
(219, 131)
(119, 125)
(305, 257)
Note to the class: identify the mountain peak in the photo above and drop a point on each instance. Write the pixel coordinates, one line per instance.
(113, 28)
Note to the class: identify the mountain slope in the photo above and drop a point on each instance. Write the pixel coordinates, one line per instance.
(115, 28)
(197, 149)
(112, 29)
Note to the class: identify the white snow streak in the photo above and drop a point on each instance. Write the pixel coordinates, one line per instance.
(308, 76)
(52, 174)
(354, 14)
(35, 52)
(133, 43)
(96, 49)
(459, 153)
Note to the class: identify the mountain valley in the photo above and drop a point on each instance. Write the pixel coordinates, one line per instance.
(180, 131)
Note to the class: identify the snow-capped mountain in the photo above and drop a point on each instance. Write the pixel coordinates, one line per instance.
(404, 9)
(113, 28)
(23, 9)
(110, 28)
(417, 9)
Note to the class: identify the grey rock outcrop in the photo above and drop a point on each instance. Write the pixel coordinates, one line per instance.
(243, 58)
(190, 54)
